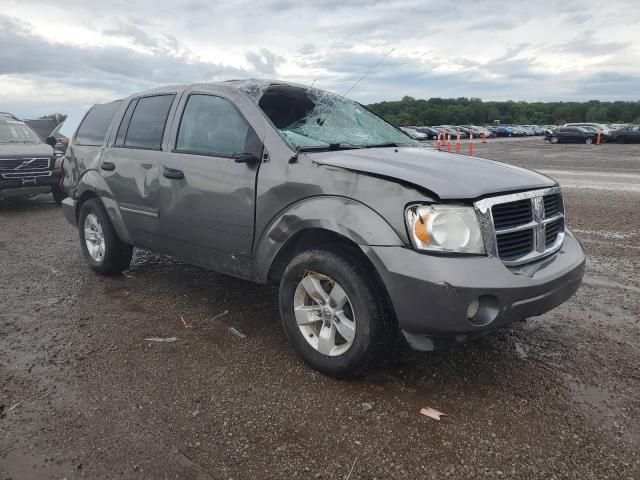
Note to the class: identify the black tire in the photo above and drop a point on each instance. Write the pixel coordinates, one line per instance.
(117, 255)
(554, 140)
(588, 140)
(375, 328)
(621, 140)
(58, 195)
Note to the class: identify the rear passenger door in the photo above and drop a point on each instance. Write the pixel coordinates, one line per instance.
(131, 167)
(208, 197)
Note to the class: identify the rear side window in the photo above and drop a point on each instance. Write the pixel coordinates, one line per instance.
(211, 125)
(124, 124)
(95, 124)
(148, 121)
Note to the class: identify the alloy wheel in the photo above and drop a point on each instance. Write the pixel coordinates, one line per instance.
(324, 314)
(94, 237)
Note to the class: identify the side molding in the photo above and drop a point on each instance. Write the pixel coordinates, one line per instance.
(93, 181)
(341, 215)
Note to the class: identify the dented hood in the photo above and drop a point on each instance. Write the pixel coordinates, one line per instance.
(449, 176)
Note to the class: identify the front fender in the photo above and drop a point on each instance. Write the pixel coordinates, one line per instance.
(340, 215)
(92, 181)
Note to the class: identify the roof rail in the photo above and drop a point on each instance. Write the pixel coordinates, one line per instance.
(10, 115)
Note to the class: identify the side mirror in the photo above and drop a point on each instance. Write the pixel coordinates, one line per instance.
(51, 141)
(245, 157)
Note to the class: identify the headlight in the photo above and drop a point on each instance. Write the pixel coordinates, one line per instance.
(444, 228)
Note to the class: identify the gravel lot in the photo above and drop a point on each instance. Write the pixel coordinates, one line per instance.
(83, 395)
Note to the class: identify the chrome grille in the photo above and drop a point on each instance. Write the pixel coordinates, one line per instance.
(522, 227)
(24, 167)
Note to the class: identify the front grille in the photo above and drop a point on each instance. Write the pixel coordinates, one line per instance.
(551, 232)
(25, 164)
(514, 245)
(523, 227)
(552, 205)
(24, 167)
(507, 215)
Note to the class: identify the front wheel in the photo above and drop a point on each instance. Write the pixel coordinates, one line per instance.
(588, 140)
(103, 250)
(554, 140)
(333, 315)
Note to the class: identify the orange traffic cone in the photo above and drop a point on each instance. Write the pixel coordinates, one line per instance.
(471, 144)
(484, 135)
(458, 144)
(438, 142)
(598, 137)
(449, 142)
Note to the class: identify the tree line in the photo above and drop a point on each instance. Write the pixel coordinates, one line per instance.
(464, 111)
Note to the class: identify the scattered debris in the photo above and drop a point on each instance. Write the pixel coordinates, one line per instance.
(186, 325)
(237, 332)
(162, 340)
(432, 413)
(366, 406)
(351, 471)
(520, 351)
(220, 315)
(195, 413)
(14, 407)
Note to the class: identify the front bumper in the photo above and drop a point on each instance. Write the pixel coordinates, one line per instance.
(430, 294)
(14, 187)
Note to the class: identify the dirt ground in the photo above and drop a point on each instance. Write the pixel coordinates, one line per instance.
(83, 395)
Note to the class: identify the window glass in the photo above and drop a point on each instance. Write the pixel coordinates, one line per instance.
(212, 126)
(122, 131)
(147, 122)
(94, 127)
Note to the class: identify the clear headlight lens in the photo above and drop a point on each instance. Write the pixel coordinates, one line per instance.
(444, 228)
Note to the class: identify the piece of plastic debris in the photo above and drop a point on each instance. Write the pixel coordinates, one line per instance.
(186, 325)
(237, 332)
(162, 340)
(15, 406)
(351, 471)
(432, 413)
(220, 315)
(366, 406)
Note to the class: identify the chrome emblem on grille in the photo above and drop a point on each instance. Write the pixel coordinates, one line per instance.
(26, 163)
(537, 211)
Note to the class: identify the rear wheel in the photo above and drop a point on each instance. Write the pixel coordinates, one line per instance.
(333, 315)
(103, 250)
(588, 140)
(554, 140)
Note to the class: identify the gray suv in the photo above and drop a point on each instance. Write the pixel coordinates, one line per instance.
(365, 230)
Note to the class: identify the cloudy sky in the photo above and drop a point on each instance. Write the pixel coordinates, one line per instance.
(65, 55)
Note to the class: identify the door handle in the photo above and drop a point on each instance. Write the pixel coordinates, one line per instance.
(172, 173)
(108, 166)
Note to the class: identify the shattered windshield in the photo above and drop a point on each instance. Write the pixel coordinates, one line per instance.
(14, 131)
(312, 119)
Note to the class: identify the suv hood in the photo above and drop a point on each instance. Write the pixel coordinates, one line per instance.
(449, 176)
(25, 150)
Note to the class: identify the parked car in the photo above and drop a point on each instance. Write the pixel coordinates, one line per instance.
(596, 127)
(363, 232)
(431, 133)
(504, 132)
(628, 134)
(452, 130)
(28, 165)
(571, 135)
(416, 135)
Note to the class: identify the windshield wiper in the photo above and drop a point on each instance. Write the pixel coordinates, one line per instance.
(388, 144)
(331, 147)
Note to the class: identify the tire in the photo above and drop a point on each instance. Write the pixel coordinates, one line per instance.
(372, 329)
(588, 140)
(113, 255)
(58, 195)
(621, 140)
(554, 140)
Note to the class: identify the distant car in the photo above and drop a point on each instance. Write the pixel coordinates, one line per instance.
(571, 135)
(504, 132)
(28, 165)
(628, 134)
(416, 135)
(453, 131)
(432, 133)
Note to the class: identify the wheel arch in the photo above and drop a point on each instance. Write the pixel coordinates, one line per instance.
(92, 185)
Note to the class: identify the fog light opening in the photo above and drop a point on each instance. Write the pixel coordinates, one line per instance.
(485, 309)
